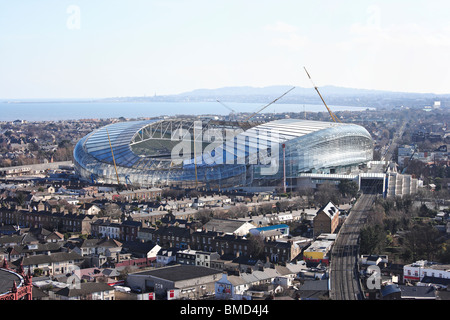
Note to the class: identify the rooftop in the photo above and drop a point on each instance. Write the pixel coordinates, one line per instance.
(430, 265)
(6, 280)
(180, 272)
(319, 246)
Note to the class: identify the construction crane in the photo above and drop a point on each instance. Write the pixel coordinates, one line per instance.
(333, 116)
(248, 118)
(233, 113)
(255, 113)
(112, 154)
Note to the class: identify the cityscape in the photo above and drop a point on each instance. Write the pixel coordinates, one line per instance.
(274, 193)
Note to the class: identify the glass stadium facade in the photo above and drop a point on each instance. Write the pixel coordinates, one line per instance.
(188, 153)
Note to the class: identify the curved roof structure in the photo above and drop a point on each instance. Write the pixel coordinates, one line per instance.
(156, 152)
(118, 137)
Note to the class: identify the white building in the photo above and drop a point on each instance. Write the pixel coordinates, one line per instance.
(238, 287)
(418, 270)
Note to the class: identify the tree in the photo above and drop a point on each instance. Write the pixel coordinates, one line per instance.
(422, 241)
(372, 239)
(325, 193)
(238, 211)
(348, 188)
(20, 198)
(112, 210)
(204, 215)
(265, 208)
(256, 246)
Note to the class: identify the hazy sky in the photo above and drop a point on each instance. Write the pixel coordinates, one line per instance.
(107, 48)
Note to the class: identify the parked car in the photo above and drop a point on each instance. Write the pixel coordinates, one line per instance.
(136, 289)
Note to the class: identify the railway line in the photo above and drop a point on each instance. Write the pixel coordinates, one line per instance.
(344, 275)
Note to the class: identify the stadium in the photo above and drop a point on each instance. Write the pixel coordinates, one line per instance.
(215, 154)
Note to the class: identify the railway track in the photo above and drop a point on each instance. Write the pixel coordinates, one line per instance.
(344, 275)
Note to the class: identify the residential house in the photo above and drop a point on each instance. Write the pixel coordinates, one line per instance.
(281, 252)
(89, 209)
(99, 252)
(205, 259)
(61, 221)
(54, 236)
(165, 257)
(141, 249)
(8, 229)
(106, 275)
(105, 228)
(138, 195)
(255, 283)
(23, 250)
(187, 257)
(52, 263)
(210, 201)
(85, 291)
(17, 239)
(326, 219)
(146, 234)
(129, 230)
(173, 237)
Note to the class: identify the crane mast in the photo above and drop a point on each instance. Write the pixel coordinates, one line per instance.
(333, 116)
(255, 113)
(114, 160)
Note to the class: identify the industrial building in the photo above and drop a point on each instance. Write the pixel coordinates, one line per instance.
(217, 154)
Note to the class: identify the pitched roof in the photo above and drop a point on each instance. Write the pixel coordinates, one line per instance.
(106, 242)
(172, 231)
(329, 209)
(84, 289)
(48, 258)
(224, 225)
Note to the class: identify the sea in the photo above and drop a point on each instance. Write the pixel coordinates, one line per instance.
(56, 111)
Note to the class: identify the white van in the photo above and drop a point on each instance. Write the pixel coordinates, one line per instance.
(122, 289)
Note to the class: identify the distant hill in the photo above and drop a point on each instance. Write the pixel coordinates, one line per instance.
(280, 89)
(338, 96)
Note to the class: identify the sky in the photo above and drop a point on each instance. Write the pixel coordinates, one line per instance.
(118, 48)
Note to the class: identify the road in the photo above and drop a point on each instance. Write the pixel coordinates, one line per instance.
(344, 276)
(394, 143)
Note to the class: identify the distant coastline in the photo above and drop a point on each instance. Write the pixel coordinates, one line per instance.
(44, 111)
(334, 96)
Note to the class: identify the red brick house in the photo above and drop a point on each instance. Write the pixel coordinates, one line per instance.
(326, 219)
